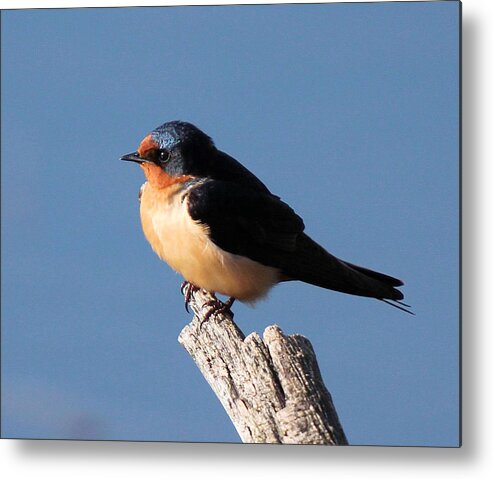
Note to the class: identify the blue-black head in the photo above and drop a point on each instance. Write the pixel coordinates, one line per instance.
(176, 147)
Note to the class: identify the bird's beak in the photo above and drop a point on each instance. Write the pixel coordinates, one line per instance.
(134, 157)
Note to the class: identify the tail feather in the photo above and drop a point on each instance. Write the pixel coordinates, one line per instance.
(399, 305)
(375, 274)
(316, 266)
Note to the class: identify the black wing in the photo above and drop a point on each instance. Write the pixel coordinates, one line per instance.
(263, 228)
(244, 221)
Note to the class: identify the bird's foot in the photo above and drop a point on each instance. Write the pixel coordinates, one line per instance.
(218, 307)
(187, 292)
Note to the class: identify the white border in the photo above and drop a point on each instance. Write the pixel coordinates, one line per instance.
(120, 3)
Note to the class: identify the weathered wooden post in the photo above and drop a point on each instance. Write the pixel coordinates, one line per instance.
(270, 387)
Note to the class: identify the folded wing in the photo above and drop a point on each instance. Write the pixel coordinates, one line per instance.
(260, 226)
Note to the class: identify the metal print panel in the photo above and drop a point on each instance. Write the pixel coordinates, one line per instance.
(282, 145)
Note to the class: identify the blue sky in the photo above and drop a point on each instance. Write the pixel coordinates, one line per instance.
(349, 112)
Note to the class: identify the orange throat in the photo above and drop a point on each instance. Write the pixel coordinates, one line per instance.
(159, 178)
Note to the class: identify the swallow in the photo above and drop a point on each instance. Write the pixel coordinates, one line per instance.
(214, 222)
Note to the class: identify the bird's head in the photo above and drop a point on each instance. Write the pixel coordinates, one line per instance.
(173, 153)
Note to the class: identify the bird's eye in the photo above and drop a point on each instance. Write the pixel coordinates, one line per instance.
(163, 156)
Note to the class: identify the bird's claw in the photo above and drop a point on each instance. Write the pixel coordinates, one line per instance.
(187, 292)
(217, 307)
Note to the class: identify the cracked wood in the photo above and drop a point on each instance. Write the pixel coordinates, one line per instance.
(270, 387)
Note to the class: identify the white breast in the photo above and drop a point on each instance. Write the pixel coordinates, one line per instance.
(185, 245)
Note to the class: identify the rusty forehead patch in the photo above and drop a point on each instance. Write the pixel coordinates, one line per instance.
(146, 145)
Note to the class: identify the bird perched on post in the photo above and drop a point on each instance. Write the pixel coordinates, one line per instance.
(217, 224)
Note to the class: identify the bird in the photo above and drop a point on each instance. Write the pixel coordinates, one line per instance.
(219, 226)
